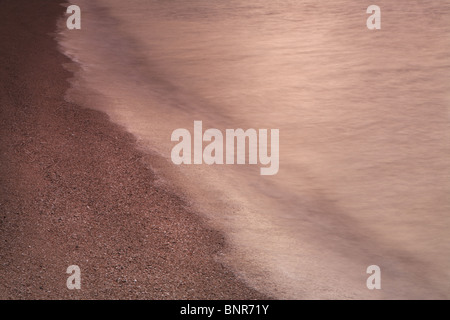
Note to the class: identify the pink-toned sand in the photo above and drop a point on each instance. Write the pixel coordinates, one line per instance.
(75, 191)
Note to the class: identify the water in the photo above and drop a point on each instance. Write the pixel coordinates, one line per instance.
(363, 119)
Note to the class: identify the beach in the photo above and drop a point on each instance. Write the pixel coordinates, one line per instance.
(92, 176)
(76, 191)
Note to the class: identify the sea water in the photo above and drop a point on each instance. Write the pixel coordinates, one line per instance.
(363, 119)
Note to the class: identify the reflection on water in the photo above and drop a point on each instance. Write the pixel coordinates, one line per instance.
(363, 119)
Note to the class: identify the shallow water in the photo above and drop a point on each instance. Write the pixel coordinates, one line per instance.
(363, 119)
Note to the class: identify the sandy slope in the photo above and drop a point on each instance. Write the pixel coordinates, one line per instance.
(74, 190)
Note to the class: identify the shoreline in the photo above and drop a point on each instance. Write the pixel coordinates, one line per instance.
(75, 190)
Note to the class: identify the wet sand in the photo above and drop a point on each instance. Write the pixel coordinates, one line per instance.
(74, 190)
